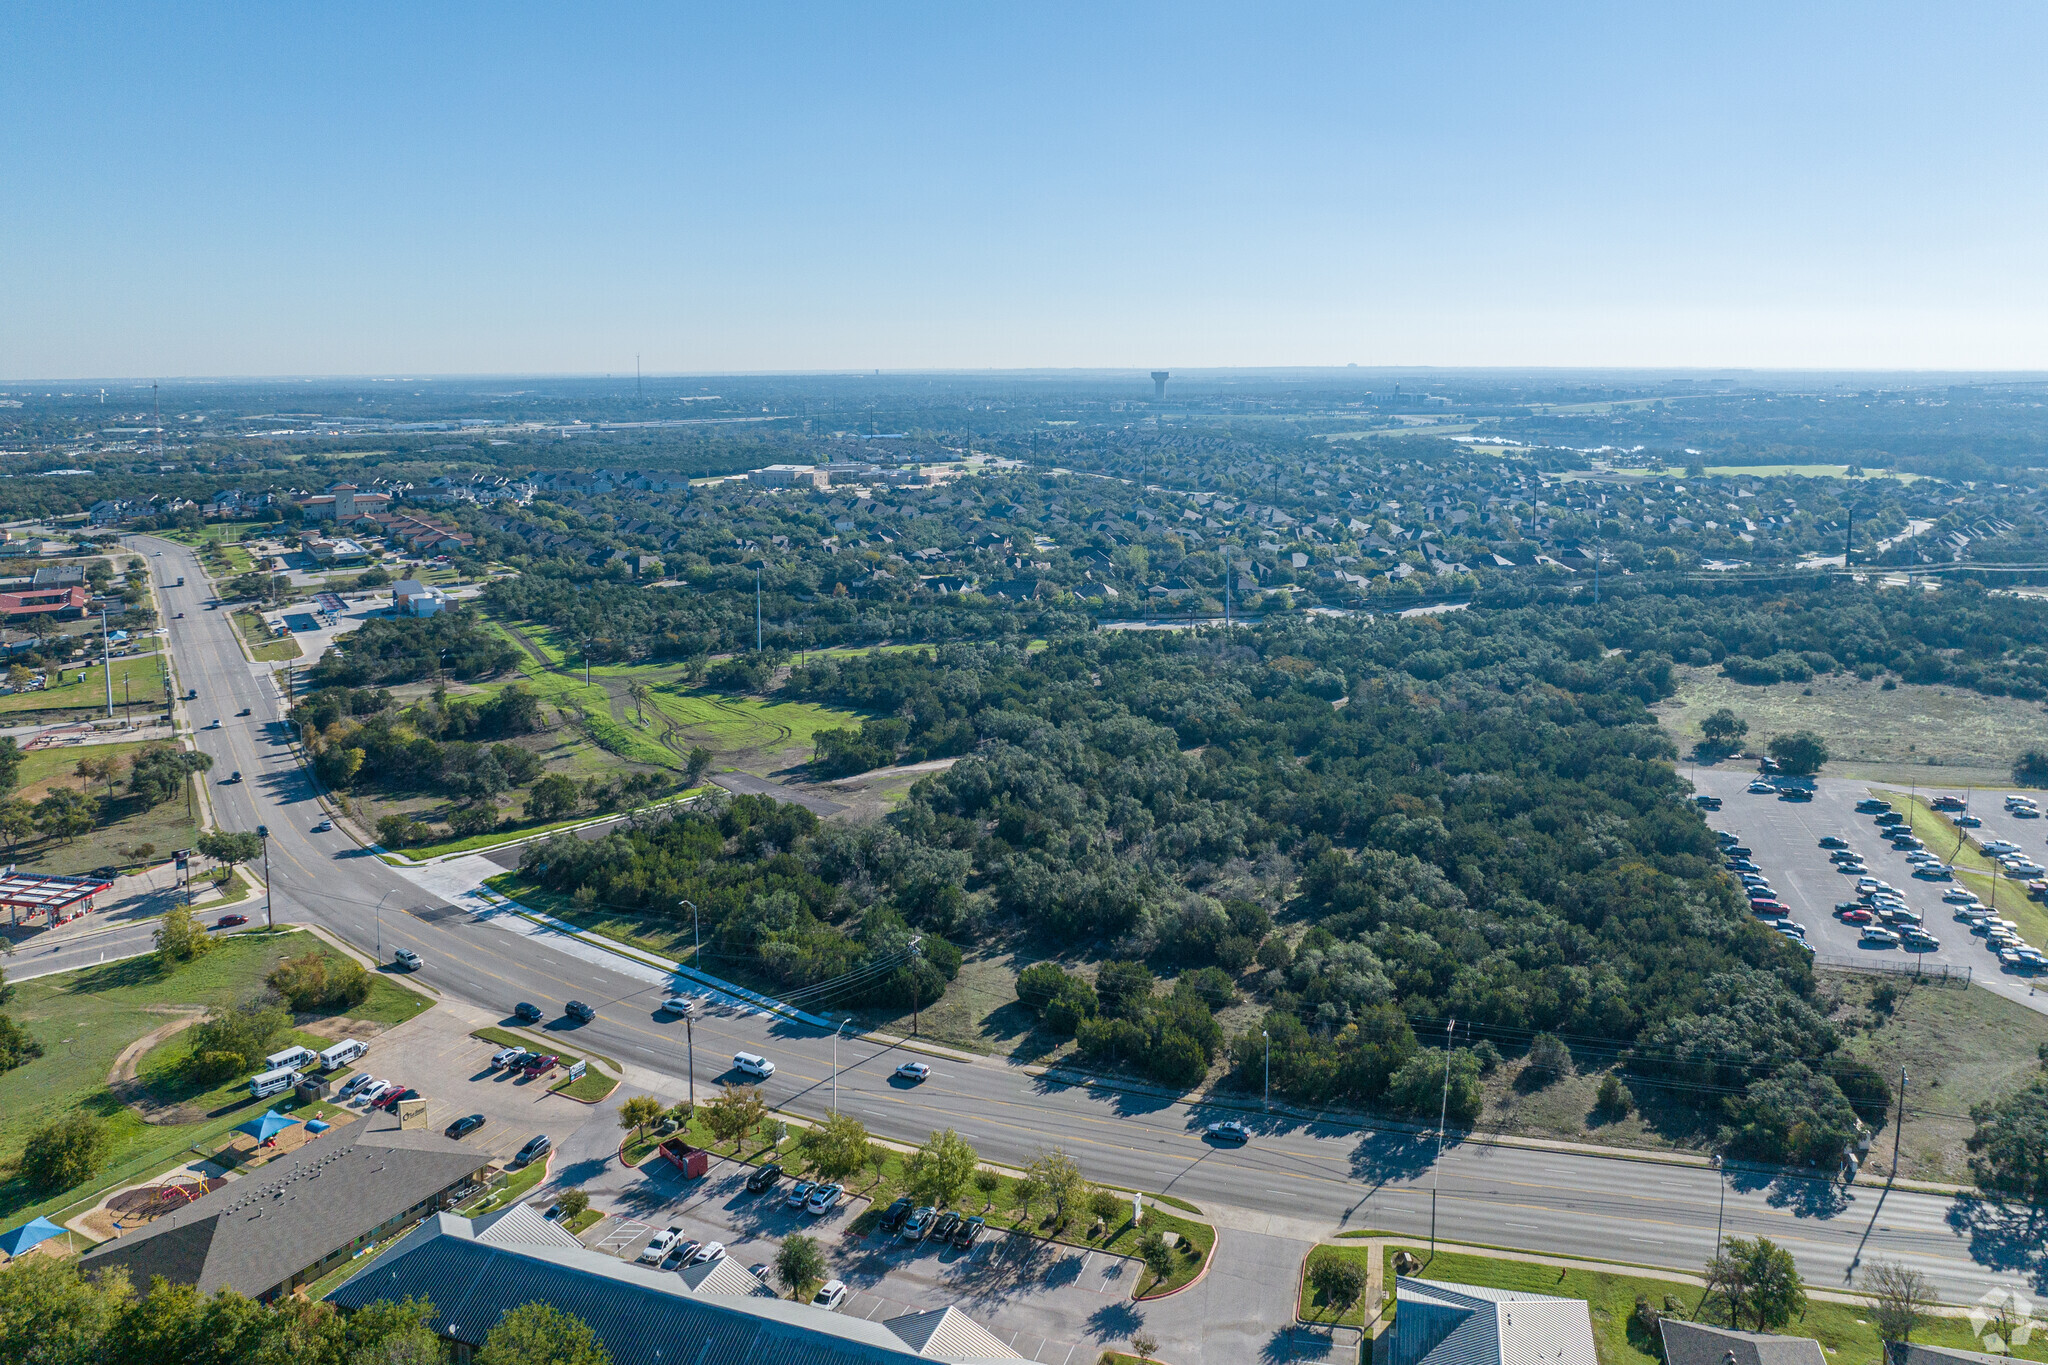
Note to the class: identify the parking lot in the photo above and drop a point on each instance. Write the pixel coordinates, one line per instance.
(1784, 839)
(1049, 1302)
(451, 1070)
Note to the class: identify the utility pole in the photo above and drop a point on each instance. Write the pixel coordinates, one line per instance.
(835, 1062)
(1269, 1066)
(107, 658)
(757, 609)
(916, 993)
(690, 1039)
(1443, 1117)
(263, 833)
(696, 936)
(1901, 1127)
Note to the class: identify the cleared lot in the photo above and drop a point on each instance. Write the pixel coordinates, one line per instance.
(1050, 1303)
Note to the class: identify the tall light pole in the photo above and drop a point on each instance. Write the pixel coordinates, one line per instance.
(916, 992)
(698, 938)
(757, 609)
(1269, 1067)
(835, 1062)
(1720, 1179)
(263, 833)
(107, 658)
(1900, 1129)
(1436, 1172)
(690, 1038)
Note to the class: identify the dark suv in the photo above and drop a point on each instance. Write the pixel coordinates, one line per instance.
(893, 1219)
(764, 1179)
(535, 1148)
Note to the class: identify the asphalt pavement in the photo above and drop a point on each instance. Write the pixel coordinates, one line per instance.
(1315, 1175)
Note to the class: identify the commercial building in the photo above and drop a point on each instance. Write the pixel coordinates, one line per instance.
(44, 602)
(788, 476)
(290, 1222)
(1697, 1343)
(476, 1271)
(337, 551)
(412, 598)
(1464, 1324)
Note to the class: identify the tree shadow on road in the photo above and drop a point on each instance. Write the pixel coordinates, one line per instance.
(2005, 1237)
(1118, 1321)
(1381, 1158)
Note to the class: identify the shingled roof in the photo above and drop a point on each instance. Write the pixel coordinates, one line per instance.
(254, 1234)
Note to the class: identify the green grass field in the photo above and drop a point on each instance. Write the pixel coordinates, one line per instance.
(85, 1019)
(1313, 1306)
(225, 531)
(1932, 726)
(1840, 1328)
(125, 823)
(264, 647)
(143, 675)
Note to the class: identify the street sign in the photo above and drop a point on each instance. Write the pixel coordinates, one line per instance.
(576, 1071)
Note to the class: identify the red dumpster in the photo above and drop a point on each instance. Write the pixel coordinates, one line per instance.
(691, 1161)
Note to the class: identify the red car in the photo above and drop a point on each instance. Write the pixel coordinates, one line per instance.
(539, 1066)
(1770, 907)
(390, 1101)
(1857, 917)
(230, 921)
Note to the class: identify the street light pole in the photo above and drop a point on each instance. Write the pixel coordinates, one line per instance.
(263, 833)
(1443, 1116)
(1900, 1129)
(916, 993)
(835, 1062)
(1720, 1216)
(696, 952)
(690, 1037)
(1269, 1067)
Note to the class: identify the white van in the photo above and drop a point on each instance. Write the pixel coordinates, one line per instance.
(272, 1083)
(342, 1053)
(291, 1056)
(752, 1064)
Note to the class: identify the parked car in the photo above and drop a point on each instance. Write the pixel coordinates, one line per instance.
(1859, 915)
(539, 1065)
(1228, 1130)
(710, 1251)
(1920, 941)
(798, 1193)
(942, 1231)
(1795, 794)
(679, 1255)
(579, 1011)
(536, 1147)
(892, 1220)
(1879, 936)
(230, 921)
(831, 1295)
(463, 1127)
(1742, 865)
(525, 1013)
(1833, 841)
(919, 1224)
(969, 1231)
(824, 1198)
(913, 1071)
(507, 1056)
(1760, 788)
(360, 1081)
(1956, 895)
(658, 1245)
(375, 1091)
(1889, 819)
(1934, 872)
(391, 1101)
(764, 1178)
(1873, 805)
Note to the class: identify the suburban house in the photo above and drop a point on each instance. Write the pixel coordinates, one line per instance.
(291, 1221)
(1464, 1324)
(475, 1271)
(1697, 1343)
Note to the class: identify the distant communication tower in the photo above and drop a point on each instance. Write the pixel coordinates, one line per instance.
(1159, 378)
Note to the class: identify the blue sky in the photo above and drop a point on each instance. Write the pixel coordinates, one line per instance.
(551, 188)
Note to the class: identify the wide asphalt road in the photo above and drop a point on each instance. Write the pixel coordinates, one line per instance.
(1333, 1176)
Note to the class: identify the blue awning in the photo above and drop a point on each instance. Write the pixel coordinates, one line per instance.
(269, 1126)
(30, 1234)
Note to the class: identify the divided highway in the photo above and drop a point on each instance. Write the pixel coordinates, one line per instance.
(1332, 1176)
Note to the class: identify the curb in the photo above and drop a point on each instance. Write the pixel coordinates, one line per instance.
(1200, 1275)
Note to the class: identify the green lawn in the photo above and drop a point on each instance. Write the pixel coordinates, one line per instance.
(222, 531)
(508, 1188)
(1612, 1297)
(125, 822)
(517, 830)
(143, 675)
(1312, 1306)
(664, 935)
(263, 646)
(85, 1019)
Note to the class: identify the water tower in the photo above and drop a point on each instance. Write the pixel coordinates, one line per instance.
(1159, 383)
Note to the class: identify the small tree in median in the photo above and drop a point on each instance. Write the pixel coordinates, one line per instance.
(735, 1113)
(180, 938)
(836, 1148)
(1339, 1280)
(799, 1264)
(937, 1172)
(1058, 1179)
(638, 1111)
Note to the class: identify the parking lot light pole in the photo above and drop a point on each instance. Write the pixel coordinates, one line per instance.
(690, 1038)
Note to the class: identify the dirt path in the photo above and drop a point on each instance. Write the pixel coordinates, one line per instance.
(123, 1081)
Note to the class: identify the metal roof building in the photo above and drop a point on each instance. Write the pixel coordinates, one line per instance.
(1465, 1324)
(475, 1272)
